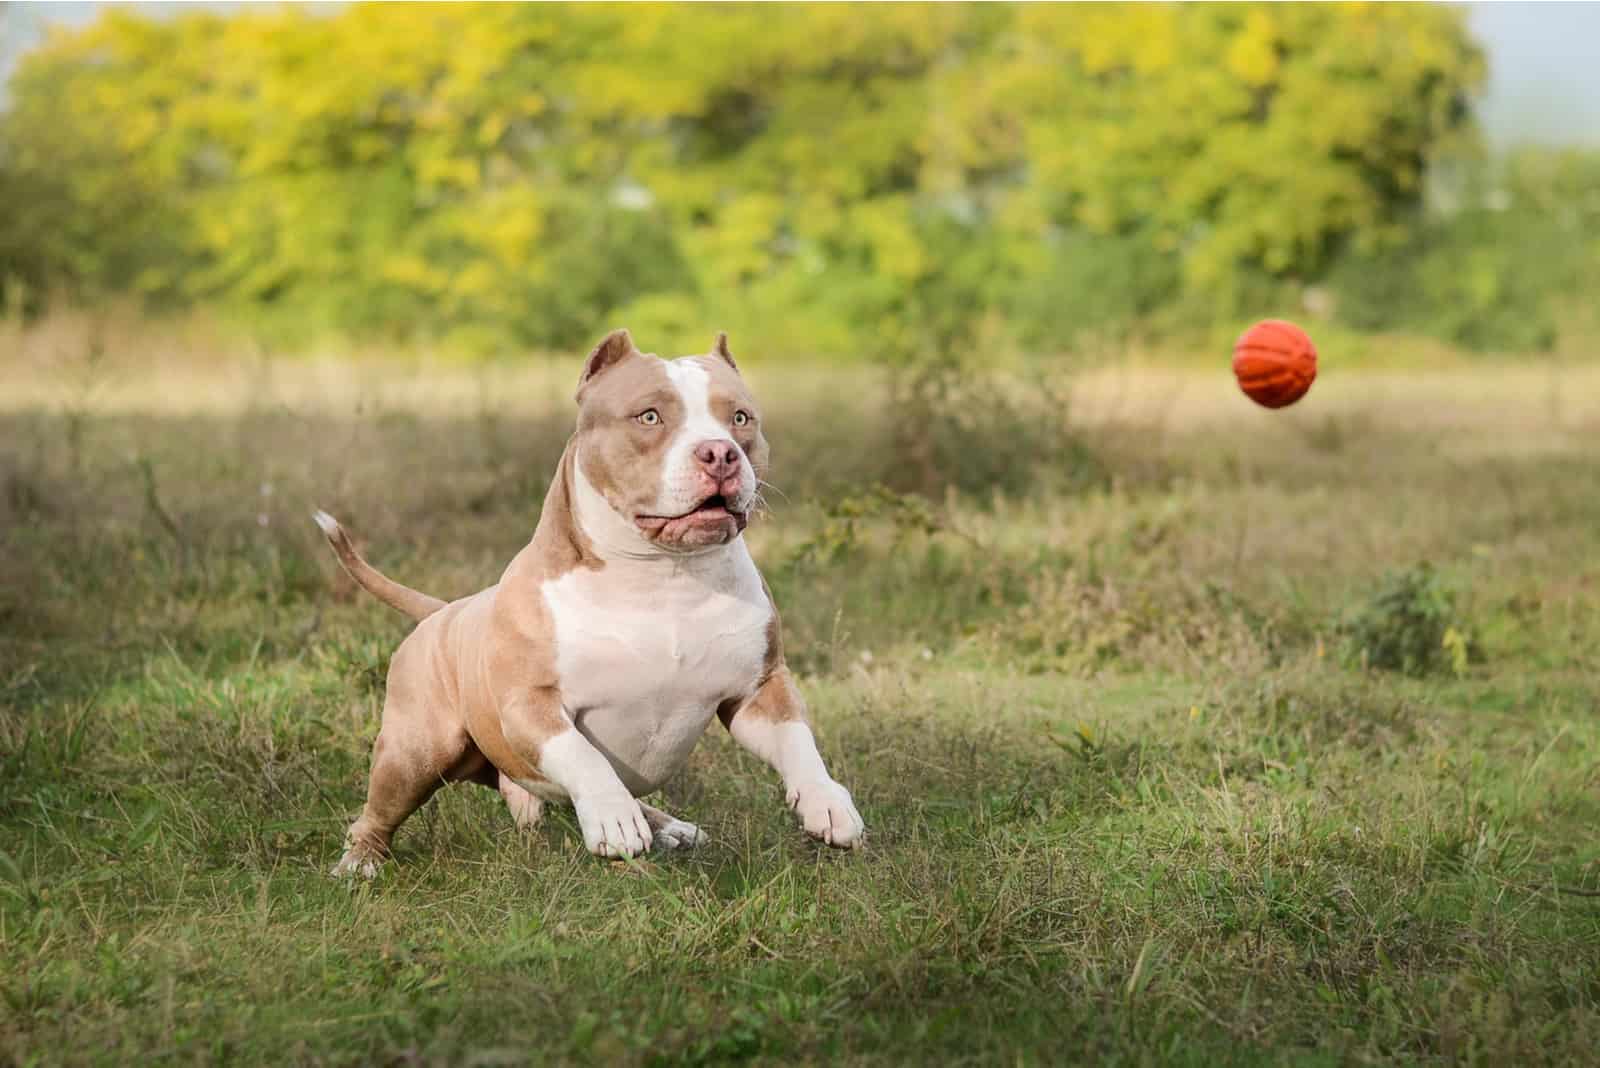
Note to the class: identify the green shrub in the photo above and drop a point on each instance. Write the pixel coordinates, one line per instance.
(1410, 624)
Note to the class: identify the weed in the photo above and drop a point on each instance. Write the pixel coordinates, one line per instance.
(846, 521)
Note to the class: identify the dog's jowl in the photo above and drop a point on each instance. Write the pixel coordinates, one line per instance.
(632, 619)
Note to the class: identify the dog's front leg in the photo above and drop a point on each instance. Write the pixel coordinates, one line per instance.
(542, 733)
(772, 725)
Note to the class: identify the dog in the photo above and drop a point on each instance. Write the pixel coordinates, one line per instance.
(635, 614)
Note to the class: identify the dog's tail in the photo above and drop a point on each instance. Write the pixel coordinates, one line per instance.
(417, 605)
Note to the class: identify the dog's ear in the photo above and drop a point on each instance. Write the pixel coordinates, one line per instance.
(720, 348)
(613, 349)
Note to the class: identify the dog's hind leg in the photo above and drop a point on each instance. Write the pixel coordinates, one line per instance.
(671, 832)
(406, 770)
(526, 808)
(398, 786)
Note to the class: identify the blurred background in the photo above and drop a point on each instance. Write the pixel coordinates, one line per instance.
(831, 182)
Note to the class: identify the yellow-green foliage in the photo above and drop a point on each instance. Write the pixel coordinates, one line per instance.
(833, 179)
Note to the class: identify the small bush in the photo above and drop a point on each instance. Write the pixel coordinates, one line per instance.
(1410, 624)
(981, 434)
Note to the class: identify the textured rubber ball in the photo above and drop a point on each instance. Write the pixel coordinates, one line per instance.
(1275, 363)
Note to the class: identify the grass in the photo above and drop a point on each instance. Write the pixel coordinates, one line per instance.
(1132, 796)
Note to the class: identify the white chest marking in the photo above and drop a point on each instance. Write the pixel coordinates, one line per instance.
(647, 649)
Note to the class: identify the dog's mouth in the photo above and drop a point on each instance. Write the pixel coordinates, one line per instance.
(714, 510)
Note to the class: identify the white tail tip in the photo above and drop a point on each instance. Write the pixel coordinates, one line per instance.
(329, 525)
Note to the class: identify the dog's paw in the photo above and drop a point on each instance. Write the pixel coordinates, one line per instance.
(357, 862)
(613, 826)
(827, 813)
(679, 834)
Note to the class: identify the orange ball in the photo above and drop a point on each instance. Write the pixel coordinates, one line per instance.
(1275, 363)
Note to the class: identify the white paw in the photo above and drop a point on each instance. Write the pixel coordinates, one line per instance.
(356, 862)
(826, 812)
(613, 826)
(679, 834)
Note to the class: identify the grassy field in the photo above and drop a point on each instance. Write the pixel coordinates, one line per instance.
(1110, 662)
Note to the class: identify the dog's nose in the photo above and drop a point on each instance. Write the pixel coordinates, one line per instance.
(719, 457)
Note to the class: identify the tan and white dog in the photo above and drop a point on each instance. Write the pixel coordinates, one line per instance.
(590, 670)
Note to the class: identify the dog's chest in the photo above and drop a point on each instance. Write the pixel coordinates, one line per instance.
(646, 654)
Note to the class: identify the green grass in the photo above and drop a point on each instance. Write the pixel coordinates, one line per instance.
(1131, 796)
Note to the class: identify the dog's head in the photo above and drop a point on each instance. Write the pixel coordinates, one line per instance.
(673, 446)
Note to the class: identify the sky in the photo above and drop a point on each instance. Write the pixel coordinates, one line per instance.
(1544, 62)
(1544, 71)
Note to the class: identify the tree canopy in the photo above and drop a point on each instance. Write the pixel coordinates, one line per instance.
(825, 179)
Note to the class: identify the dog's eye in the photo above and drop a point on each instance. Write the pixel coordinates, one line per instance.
(649, 417)
(741, 418)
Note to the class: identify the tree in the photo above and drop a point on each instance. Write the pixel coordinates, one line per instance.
(822, 179)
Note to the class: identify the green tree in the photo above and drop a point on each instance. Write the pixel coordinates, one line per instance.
(857, 182)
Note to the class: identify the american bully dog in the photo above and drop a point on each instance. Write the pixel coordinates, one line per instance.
(589, 671)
